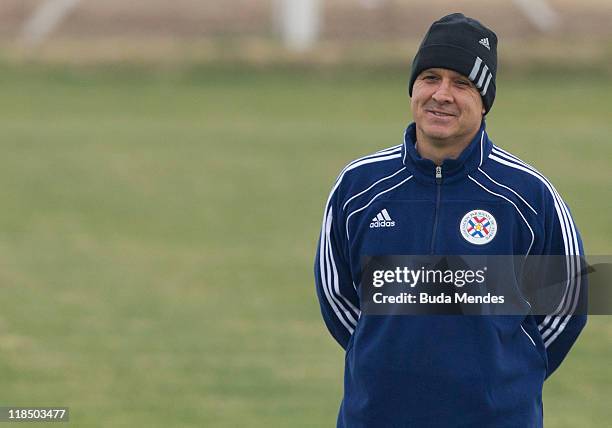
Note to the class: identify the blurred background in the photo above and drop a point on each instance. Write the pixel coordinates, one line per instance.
(164, 169)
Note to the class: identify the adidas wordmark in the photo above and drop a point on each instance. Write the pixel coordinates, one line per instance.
(382, 219)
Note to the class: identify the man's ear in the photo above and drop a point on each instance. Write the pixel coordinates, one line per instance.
(483, 111)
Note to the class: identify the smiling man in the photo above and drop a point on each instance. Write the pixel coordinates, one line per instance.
(446, 190)
(447, 110)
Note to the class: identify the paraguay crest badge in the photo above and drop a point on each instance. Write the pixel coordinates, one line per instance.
(478, 227)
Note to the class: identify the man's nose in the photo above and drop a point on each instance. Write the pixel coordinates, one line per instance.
(443, 92)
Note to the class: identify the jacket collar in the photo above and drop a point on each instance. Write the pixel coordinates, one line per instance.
(452, 169)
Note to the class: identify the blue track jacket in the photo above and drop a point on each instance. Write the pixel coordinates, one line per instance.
(442, 371)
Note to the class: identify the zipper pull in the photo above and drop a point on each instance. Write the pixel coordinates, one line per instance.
(438, 174)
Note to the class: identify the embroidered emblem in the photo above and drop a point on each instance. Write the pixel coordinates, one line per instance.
(478, 227)
(485, 43)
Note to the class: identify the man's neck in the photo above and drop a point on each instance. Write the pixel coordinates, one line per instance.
(438, 150)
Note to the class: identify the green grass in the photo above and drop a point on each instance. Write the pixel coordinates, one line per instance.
(158, 228)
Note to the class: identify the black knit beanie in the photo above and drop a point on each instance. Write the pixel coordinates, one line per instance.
(464, 45)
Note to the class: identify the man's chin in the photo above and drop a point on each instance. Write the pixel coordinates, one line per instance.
(438, 132)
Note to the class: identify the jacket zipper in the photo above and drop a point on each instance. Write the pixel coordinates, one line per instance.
(438, 189)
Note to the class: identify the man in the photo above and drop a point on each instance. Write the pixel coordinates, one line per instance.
(419, 198)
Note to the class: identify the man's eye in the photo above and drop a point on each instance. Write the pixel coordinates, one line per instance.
(429, 78)
(463, 83)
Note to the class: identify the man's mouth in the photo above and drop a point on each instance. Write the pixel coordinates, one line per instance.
(439, 113)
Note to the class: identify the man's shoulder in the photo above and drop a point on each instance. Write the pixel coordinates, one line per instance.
(361, 174)
(371, 165)
(518, 176)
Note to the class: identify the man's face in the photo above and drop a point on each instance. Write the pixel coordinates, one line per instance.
(446, 106)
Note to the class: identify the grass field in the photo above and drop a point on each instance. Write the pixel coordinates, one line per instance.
(158, 228)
